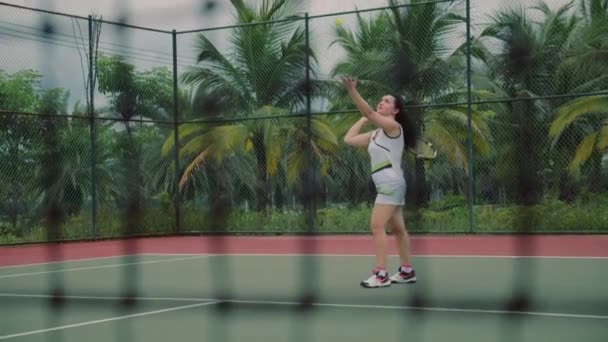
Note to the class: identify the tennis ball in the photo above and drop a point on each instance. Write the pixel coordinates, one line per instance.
(338, 22)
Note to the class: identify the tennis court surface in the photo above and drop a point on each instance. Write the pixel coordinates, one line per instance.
(475, 288)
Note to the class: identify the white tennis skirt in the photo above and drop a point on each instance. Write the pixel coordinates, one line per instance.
(390, 190)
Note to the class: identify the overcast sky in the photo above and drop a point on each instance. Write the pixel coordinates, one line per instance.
(189, 14)
(184, 14)
(24, 46)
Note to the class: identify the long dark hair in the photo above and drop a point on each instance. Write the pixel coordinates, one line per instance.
(407, 121)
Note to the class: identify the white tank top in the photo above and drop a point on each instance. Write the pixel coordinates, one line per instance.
(385, 154)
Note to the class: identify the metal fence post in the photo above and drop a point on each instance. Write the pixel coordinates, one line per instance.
(92, 130)
(310, 192)
(469, 119)
(177, 199)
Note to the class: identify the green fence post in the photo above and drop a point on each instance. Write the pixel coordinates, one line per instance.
(92, 131)
(177, 199)
(310, 269)
(310, 192)
(469, 119)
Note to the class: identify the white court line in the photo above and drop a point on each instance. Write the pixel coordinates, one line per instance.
(422, 308)
(67, 260)
(69, 326)
(106, 298)
(390, 255)
(303, 254)
(103, 266)
(333, 305)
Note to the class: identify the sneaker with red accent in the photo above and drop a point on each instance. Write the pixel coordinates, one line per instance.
(379, 278)
(402, 277)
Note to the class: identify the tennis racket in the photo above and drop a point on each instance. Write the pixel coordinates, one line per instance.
(423, 150)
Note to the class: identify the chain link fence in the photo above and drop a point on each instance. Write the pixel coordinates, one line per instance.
(112, 130)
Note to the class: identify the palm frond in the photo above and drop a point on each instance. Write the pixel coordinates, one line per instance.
(583, 151)
(193, 167)
(184, 131)
(212, 58)
(228, 138)
(448, 145)
(218, 85)
(324, 134)
(296, 163)
(602, 142)
(244, 13)
(194, 146)
(455, 120)
(273, 147)
(573, 110)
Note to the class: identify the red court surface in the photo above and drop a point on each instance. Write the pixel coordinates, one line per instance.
(533, 246)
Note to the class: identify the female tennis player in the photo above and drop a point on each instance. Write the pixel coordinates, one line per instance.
(385, 145)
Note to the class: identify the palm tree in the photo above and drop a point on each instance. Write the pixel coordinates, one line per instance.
(405, 51)
(264, 139)
(262, 75)
(19, 143)
(592, 111)
(134, 94)
(527, 64)
(144, 94)
(580, 126)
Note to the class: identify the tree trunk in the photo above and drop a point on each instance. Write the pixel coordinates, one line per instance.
(263, 197)
(72, 199)
(456, 185)
(133, 211)
(51, 163)
(213, 180)
(14, 186)
(219, 201)
(279, 189)
(423, 194)
(596, 179)
(567, 188)
(421, 189)
(14, 214)
(526, 158)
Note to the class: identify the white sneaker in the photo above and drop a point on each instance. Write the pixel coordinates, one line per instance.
(402, 277)
(378, 279)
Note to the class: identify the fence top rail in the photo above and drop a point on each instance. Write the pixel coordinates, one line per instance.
(299, 114)
(85, 18)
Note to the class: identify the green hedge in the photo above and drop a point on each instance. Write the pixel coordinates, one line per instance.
(449, 215)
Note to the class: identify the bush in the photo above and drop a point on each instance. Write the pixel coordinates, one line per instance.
(450, 215)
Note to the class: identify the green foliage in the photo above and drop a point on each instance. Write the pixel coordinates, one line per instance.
(166, 204)
(19, 91)
(134, 93)
(22, 144)
(265, 65)
(449, 215)
(413, 52)
(54, 102)
(448, 202)
(261, 76)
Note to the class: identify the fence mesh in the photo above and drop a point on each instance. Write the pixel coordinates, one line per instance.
(109, 131)
(542, 128)
(235, 74)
